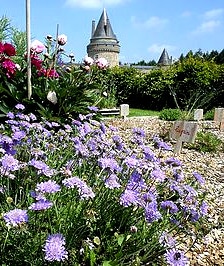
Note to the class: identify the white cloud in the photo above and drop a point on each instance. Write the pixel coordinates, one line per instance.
(207, 26)
(151, 23)
(158, 48)
(93, 3)
(186, 14)
(214, 13)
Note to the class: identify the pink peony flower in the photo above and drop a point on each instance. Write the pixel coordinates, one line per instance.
(9, 49)
(62, 39)
(88, 60)
(37, 47)
(102, 63)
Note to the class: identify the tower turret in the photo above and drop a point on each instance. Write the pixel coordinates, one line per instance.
(103, 42)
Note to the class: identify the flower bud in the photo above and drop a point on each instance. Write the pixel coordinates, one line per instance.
(62, 39)
(52, 97)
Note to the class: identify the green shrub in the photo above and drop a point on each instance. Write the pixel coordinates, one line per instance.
(207, 142)
(170, 114)
(209, 115)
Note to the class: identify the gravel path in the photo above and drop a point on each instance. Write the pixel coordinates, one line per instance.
(210, 251)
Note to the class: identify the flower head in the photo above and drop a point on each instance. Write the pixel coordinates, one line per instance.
(85, 192)
(49, 186)
(15, 217)
(52, 97)
(175, 257)
(41, 204)
(54, 248)
(37, 47)
(62, 39)
(88, 60)
(9, 49)
(102, 63)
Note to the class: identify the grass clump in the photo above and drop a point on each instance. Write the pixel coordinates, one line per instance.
(207, 142)
(170, 114)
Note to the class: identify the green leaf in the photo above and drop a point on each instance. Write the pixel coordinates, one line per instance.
(120, 239)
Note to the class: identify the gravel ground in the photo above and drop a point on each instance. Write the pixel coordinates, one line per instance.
(210, 251)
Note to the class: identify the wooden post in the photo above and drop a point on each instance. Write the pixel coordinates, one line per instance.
(29, 86)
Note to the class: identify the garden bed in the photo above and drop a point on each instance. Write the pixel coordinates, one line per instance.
(210, 251)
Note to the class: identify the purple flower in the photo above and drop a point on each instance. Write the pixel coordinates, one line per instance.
(109, 164)
(112, 182)
(40, 205)
(149, 155)
(169, 205)
(161, 144)
(54, 248)
(15, 217)
(173, 162)
(42, 167)
(204, 208)
(9, 163)
(49, 186)
(93, 108)
(151, 212)
(129, 197)
(20, 106)
(136, 182)
(118, 142)
(10, 115)
(150, 196)
(132, 162)
(158, 175)
(32, 117)
(139, 132)
(175, 257)
(199, 178)
(167, 240)
(191, 192)
(85, 192)
(18, 135)
(178, 175)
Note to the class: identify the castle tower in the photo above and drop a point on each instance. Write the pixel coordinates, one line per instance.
(164, 59)
(103, 42)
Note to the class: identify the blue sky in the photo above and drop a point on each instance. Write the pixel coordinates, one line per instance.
(143, 27)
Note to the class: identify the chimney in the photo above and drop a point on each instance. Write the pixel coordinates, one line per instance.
(93, 27)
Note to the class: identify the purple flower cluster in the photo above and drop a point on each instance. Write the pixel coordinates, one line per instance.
(15, 217)
(49, 186)
(41, 167)
(40, 205)
(54, 248)
(85, 192)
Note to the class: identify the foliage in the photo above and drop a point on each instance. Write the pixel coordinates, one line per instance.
(142, 112)
(207, 142)
(79, 194)
(5, 28)
(170, 114)
(209, 115)
(59, 90)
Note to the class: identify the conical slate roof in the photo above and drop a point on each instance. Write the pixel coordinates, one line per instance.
(164, 59)
(104, 29)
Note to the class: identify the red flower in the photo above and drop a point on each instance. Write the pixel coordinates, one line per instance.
(9, 66)
(36, 61)
(1, 48)
(52, 73)
(9, 49)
